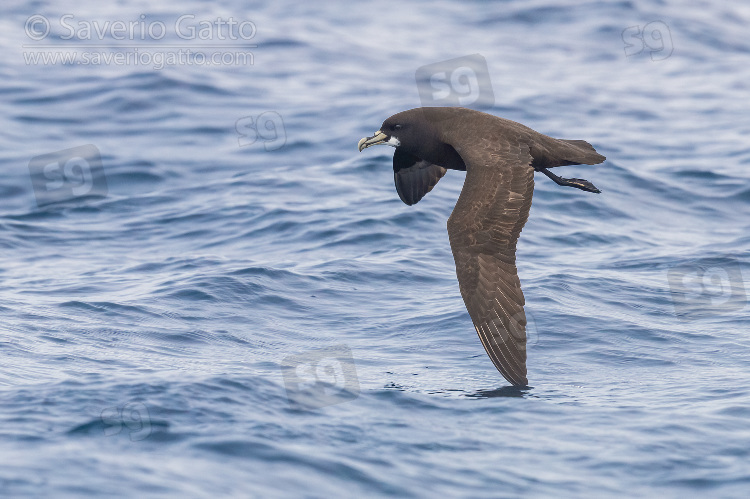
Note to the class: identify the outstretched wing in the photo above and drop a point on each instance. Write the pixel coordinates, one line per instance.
(483, 229)
(414, 177)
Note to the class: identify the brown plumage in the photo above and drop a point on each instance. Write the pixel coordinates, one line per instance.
(500, 157)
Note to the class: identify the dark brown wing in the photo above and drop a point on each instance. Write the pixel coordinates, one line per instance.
(483, 229)
(414, 177)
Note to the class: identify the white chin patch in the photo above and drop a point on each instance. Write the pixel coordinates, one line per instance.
(393, 141)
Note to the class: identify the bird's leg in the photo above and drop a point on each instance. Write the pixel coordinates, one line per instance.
(578, 183)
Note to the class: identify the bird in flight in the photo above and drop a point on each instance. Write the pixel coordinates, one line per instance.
(500, 157)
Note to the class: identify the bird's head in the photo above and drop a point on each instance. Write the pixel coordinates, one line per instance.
(408, 130)
(416, 132)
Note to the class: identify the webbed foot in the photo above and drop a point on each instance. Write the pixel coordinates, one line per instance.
(578, 183)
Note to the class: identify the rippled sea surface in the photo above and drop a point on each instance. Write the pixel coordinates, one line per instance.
(207, 291)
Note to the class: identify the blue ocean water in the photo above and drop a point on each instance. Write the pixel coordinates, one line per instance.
(207, 291)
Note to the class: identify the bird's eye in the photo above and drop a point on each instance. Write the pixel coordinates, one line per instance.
(397, 127)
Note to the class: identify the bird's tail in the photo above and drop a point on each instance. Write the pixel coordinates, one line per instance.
(549, 152)
(582, 152)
